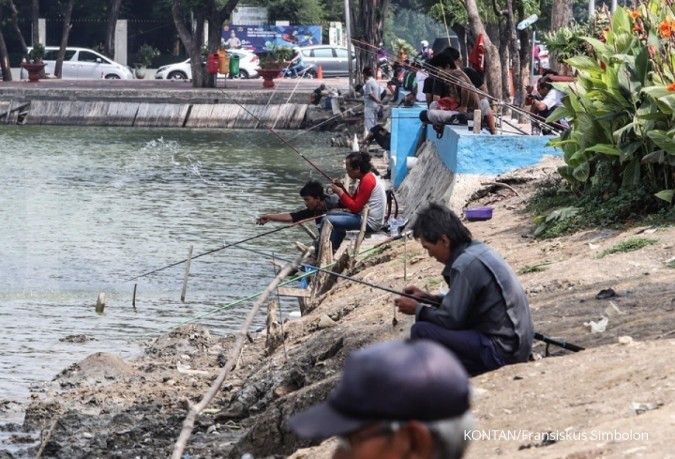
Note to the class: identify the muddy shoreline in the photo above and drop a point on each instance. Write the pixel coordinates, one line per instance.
(106, 407)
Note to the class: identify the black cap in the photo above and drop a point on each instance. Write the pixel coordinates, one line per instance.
(392, 381)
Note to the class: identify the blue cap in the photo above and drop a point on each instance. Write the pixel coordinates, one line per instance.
(392, 381)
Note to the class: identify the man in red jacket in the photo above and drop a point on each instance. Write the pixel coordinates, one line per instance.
(370, 191)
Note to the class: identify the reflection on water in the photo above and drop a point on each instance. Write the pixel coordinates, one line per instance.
(83, 209)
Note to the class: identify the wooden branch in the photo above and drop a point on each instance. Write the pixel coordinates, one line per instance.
(313, 234)
(195, 410)
(501, 184)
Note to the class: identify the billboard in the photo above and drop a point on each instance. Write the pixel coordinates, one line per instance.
(257, 37)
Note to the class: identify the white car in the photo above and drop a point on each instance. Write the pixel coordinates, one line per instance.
(249, 64)
(83, 64)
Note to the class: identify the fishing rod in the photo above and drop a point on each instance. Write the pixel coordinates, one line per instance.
(449, 78)
(278, 136)
(537, 335)
(226, 246)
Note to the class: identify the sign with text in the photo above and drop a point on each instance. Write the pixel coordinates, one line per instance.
(259, 37)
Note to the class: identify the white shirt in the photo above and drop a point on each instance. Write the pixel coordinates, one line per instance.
(419, 80)
(371, 87)
(553, 98)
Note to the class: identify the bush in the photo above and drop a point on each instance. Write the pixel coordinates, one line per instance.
(622, 111)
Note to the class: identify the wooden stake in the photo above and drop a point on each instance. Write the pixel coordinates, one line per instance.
(187, 273)
(195, 410)
(100, 303)
(313, 234)
(133, 298)
(405, 259)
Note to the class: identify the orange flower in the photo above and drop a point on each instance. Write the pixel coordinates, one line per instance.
(665, 29)
(671, 87)
(635, 14)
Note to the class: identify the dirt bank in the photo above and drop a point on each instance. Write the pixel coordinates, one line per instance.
(104, 407)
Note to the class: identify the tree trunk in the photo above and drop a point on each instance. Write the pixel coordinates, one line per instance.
(504, 56)
(493, 72)
(4, 57)
(368, 27)
(64, 38)
(514, 55)
(561, 15)
(35, 23)
(15, 25)
(525, 54)
(113, 15)
(191, 43)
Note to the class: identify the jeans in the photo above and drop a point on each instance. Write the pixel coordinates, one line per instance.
(342, 222)
(474, 349)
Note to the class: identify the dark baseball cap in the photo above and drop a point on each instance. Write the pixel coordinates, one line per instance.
(391, 381)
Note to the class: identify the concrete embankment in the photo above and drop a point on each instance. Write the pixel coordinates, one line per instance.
(173, 105)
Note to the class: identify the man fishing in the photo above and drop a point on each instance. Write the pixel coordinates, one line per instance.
(484, 319)
(316, 203)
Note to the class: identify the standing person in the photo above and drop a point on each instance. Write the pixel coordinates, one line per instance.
(370, 191)
(484, 319)
(395, 400)
(233, 42)
(371, 99)
(425, 52)
(316, 203)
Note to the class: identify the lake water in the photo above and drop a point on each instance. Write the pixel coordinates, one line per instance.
(83, 209)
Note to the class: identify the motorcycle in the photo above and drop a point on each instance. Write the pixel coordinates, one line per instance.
(300, 71)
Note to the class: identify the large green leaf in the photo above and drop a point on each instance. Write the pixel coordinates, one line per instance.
(583, 63)
(663, 140)
(666, 195)
(620, 21)
(600, 48)
(642, 65)
(607, 149)
(582, 171)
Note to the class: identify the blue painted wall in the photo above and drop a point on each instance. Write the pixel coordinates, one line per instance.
(461, 150)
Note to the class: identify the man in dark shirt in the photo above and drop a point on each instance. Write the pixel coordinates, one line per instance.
(316, 203)
(484, 318)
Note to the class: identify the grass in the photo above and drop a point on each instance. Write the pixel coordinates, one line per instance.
(560, 212)
(527, 269)
(670, 264)
(629, 245)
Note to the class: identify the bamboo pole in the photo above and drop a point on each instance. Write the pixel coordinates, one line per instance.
(187, 273)
(195, 410)
(133, 297)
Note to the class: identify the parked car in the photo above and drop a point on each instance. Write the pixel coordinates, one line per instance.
(83, 64)
(332, 59)
(249, 65)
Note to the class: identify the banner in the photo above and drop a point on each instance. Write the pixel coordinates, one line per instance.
(257, 38)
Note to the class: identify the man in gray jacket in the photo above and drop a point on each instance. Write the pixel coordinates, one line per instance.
(484, 319)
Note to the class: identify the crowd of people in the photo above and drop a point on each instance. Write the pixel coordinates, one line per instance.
(412, 398)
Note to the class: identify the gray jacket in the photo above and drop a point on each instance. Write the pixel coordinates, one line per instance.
(486, 296)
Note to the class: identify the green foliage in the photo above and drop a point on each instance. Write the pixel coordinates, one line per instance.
(622, 111)
(411, 26)
(276, 56)
(629, 245)
(296, 11)
(146, 54)
(566, 42)
(534, 268)
(36, 54)
(670, 263)
(401, 46)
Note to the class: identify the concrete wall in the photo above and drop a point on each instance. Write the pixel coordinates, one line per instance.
(462, 151)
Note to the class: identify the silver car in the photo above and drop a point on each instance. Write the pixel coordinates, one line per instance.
(332, 59)
(83, 64)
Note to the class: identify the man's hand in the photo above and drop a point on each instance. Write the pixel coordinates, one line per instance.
(337, 187)
(261, 220)
(416, 292)
(406, 305)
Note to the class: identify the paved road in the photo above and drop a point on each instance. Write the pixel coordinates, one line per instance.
(285, 84)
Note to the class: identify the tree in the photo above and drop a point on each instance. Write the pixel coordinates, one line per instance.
(368, 23)
(4, 57)
(113, 14)
(203, 10)
(296, 11)
(64, 38)
(35, 26)
(15, 24)
(561, 15)
(493, 72)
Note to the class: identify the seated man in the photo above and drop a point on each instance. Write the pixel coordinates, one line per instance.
(316, 202)
(484, 319)
(550, 99)
(370, 191)
(395, 400)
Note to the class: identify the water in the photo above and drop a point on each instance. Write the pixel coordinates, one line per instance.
(83, 209)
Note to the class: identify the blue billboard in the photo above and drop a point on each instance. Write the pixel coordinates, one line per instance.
(258, 37)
